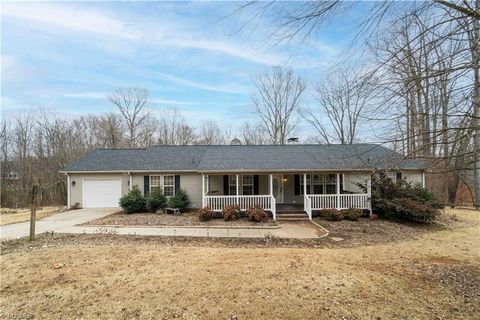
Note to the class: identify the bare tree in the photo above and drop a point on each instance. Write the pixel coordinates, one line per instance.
(278, 99)
(210, 133)
(252, 134)
(174, 130)
(131, 103)
(344, 97)
(111, 130)
(439, 22)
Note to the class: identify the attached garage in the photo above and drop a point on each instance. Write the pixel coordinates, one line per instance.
(101, 193)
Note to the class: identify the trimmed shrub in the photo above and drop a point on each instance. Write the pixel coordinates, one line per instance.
(403, 201)
(180, 200)
(134, 201)
(257, 214)
(331, 214)
(352, 214)
(205, 214)
(231, 213)
(156, 200)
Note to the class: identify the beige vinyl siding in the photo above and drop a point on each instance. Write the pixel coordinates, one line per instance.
(137, 180)
(412, 176)
(352, 179)
(190, 182)
(76, 191)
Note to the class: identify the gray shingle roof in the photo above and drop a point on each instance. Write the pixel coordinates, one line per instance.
(245, 157)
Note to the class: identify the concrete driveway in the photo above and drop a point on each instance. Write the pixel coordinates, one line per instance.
(57, 222)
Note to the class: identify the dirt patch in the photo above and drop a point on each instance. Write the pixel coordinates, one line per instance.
(163, 219)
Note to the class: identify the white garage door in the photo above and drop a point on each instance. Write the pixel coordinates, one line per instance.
(101, 193)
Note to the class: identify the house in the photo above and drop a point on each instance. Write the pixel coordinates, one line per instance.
(309, 176)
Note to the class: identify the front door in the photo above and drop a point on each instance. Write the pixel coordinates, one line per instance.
(278, 188)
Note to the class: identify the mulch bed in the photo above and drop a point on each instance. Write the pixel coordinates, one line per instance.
(164, 219)
(354, 234)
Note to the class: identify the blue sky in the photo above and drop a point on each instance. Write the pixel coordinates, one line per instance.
(69, 56)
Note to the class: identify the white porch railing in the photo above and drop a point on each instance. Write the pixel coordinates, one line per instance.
(338, 201)
(217, 203)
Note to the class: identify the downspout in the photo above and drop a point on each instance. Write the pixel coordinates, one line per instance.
(130, 182)
(68, 191)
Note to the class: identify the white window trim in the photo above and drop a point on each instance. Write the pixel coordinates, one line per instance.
(169, 185)
(161, 183)
(310, 184)
(150, 182)
(248, 184)
(230, 185)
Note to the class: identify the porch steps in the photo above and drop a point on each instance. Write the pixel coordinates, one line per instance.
(292, 216)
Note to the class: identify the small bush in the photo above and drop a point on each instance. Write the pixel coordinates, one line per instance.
(231, 213)
(132, 202)
(331, 214)
(352, 214)
(180, 200)
(257, 214)
(205, 214)
(156, 200)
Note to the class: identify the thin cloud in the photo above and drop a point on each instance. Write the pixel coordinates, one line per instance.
(96, 22)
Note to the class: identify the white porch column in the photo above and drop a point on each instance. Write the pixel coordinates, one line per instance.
(338, 190)
(304, 191)
(68, 191)
(203, 190)
(369, 193)
(304, 184)
(272, 199)
(237, 186)
(423, 179)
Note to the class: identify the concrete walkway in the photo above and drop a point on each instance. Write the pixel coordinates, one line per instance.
(57, 222)
(69, 221)
(287, 230)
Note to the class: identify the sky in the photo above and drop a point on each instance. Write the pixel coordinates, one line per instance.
(67, 57)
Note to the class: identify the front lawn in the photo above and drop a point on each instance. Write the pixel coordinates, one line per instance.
(163, 219)
(9, 216)
(434, 276)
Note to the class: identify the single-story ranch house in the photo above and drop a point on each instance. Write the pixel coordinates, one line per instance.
(311, 177)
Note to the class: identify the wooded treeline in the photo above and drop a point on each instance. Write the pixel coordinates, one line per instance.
(417, 91)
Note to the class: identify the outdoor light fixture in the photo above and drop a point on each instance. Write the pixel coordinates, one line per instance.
(284, 179)
(73, 183)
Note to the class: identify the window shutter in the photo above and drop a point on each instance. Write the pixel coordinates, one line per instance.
(255, 185)
(177, 183)
(297, 184)
(146, 185)
(225, 185)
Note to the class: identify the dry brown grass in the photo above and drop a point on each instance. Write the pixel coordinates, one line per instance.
(435, 276)
(9, 216)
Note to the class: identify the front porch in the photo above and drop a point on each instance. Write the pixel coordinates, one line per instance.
(277, 192)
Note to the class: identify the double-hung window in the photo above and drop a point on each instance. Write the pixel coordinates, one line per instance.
(169, 185)
(232, 185)
(318, 180)
(154, 183)
(331, 183)
(247, 184)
